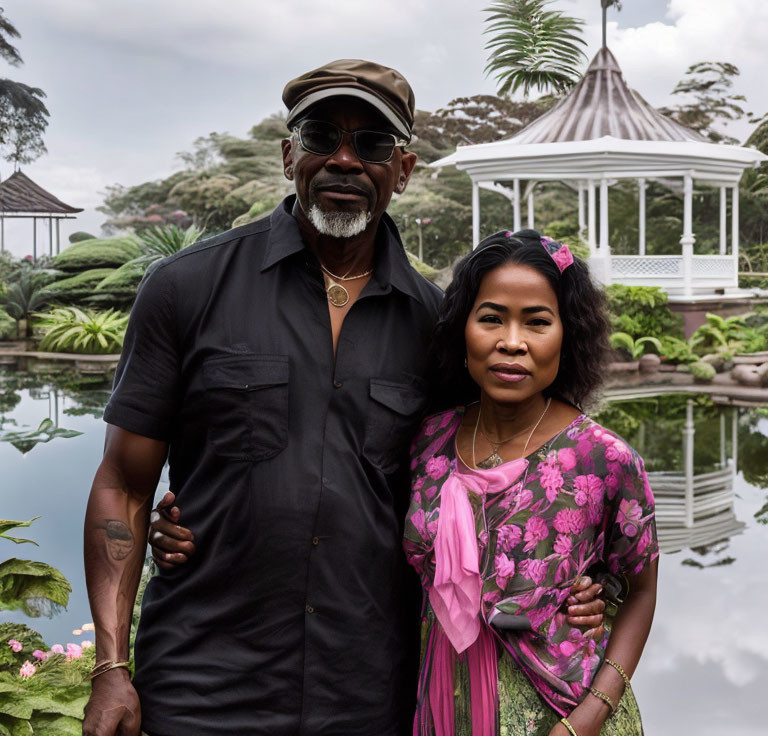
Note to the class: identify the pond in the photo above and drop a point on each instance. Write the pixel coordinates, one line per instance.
(707, 657)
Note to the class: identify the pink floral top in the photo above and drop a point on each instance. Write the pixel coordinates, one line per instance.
(584, 498)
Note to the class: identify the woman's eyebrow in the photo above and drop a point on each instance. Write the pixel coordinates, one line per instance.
(494, 306)
(524, 310)
(530, 310)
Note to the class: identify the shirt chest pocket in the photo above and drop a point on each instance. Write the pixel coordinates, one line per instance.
(247, 402)
(394, 412)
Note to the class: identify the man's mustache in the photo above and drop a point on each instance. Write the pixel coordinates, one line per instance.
(341, 184)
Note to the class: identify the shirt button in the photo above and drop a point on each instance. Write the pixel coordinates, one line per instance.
(315, 541)
(309, 609)
(337, 383)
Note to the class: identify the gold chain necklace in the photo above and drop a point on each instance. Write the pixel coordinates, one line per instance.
(494, 459)
(337, 294)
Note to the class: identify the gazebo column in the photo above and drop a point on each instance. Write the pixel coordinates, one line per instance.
(58, 236)
(723, 220)
(722, 439)
(688, 239)
(582, 224)
(604, 247)
(530, 208)
(50, 237)
(735, 440)
(517, 223)
(735, 234)
(688, 439)
(592, 218)
(34, 239)
(475, 214)
(641, 216)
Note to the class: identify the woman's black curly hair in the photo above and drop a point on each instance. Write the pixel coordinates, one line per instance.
(585, 325)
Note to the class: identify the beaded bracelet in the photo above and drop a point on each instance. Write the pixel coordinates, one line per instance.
(600, 694)
(619, 669)
(567, 724)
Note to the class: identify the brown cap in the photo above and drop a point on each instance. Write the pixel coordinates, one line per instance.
(385, 89)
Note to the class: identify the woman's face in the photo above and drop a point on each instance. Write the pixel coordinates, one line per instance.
(514, 334)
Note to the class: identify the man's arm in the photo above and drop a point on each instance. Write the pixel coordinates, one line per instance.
(116, 523)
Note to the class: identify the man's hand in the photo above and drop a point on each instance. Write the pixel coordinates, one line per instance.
(172, 544)
(113, 709)
(584, 607)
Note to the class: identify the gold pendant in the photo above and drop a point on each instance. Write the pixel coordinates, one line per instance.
(337, 294)
(492, 461)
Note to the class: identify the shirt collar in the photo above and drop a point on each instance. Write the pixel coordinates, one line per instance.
(392, 267)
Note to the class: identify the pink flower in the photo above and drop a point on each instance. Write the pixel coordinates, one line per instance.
(419, 483)
(570, 521)
(628, 517)
(563, 544)
(591, 484)
(509, 536)
(438, 466)
(74, 651)
(524, 500)
(567, 458)
(505, 568)
(617, 450)
(16, 646)
(584, 447)
(86, 643)
(580, 498)
(27, 669)
(57, 649)
(645, 540)
(535, 531)
(39, 654)
(534, 569)
(419, 520)
(551, 481)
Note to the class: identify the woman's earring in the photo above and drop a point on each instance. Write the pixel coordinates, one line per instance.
(465, 363)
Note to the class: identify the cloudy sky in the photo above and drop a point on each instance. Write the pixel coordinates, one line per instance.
(132, 82)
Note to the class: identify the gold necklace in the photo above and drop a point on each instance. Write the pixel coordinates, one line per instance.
(494, 459)
(337, 294)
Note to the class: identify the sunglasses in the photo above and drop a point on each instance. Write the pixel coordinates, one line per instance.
(323, 139)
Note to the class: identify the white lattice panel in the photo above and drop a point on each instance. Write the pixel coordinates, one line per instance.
(645, 266)
(713, 267)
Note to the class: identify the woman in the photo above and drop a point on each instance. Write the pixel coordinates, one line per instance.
(515, 494)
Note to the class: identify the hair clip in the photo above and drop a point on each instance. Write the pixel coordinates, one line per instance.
(560, 252)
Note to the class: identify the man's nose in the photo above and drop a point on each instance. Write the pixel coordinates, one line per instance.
(344, 158)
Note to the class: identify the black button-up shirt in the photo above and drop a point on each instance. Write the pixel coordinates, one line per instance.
(290, 467)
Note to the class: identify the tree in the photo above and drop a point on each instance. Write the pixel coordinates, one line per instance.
(23, 114)
(706, 89)
(532, 47)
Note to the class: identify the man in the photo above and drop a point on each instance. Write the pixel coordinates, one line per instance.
(280, 367)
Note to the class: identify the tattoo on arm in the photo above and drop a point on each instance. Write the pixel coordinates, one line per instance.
(120, 539)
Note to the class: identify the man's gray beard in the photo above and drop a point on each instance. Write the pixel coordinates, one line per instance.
(338, 224)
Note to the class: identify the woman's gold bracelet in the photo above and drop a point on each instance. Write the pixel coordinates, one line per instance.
(567, 724)
(600, 694)
(103, 667)
(619, 669)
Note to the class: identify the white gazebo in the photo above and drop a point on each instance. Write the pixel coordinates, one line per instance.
(603, 132)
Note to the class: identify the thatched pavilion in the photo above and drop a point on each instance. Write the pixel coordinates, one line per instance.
(20, 197)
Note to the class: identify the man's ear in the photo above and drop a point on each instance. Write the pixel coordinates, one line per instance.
(407, 162)
(287, 146)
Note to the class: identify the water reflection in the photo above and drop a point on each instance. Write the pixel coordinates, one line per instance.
(707, 657)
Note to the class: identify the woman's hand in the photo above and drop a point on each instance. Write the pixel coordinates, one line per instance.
(585, 609)
(172, 544)
(586, 719)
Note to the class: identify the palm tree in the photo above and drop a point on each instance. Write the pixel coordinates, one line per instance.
(532, 47)
(23, 114)
(607, 4)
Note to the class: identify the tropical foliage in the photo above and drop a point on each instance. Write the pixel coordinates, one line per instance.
(73, 330)
(635, 347)
(532, 47)
(642, 311)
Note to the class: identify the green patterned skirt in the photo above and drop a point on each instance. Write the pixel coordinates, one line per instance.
(523, 712)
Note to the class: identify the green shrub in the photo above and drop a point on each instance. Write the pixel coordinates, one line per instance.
(635, 348)
(76, 289)
(72, 330)
(79, 236)
(676, 350)
(8, 329)
(642, 311)
(89, 254)
(702, 372)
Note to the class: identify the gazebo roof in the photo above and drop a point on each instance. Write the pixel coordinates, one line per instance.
(18, 193)
(603, 128)
(602, 104)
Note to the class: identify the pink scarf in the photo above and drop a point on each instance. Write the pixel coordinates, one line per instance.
(456, 598)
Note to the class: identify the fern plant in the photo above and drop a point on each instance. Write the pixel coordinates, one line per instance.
(73, 330)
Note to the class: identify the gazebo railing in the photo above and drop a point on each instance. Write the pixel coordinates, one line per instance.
(708, 272)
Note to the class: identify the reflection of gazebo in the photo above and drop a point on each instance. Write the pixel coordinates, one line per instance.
(603, 132)
(696, 509)
(20, 197)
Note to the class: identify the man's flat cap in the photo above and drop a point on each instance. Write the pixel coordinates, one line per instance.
(385, 89)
